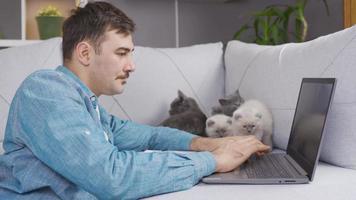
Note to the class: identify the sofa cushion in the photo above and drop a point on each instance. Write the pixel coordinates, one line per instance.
(273, 74)
(197, 70)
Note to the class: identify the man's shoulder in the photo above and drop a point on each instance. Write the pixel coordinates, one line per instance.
(45, 79)
(44, 74)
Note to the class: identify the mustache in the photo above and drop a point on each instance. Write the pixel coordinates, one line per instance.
(123, 76)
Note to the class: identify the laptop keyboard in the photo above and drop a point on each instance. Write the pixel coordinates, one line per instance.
(268, 166)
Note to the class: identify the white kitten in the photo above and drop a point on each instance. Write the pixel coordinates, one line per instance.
(218, 126)
(253, 118)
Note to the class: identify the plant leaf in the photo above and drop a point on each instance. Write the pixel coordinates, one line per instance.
(240, 31)
(301, 26)
(271, 25)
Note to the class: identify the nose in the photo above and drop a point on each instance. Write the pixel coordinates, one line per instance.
(130, 65)
(221, 131)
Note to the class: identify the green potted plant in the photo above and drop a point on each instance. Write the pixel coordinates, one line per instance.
(271, 25)
(49, 22)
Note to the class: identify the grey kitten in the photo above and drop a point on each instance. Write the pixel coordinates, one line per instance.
(186, 115)
(228, 104)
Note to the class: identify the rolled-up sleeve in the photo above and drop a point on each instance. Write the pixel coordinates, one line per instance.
(54, 123)
(139, 137)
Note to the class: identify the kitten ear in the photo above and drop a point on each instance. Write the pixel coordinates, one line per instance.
(237, 92)
(181, 95)
(239, 97)
(224, 102)
(209, 123)
(237, 116)
(258, 115)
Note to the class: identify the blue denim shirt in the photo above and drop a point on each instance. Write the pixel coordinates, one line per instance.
(55, 147)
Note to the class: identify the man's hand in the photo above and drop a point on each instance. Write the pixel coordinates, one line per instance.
(230, 152)
(235, 152)
(208, 144)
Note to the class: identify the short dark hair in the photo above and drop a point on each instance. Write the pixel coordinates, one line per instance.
(90, 23)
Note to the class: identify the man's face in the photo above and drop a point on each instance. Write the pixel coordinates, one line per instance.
(110, 69)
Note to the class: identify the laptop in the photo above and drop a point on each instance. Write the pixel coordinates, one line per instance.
(299, 162)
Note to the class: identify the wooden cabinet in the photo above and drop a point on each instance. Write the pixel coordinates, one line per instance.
(349, 13)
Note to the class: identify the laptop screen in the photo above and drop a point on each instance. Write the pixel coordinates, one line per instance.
(310, 115)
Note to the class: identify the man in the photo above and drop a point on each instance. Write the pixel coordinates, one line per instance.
(61, 144)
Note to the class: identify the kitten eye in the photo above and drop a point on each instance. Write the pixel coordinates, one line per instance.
(210, 123)
(236, 117)
(253, 126)
(244, 126)
(259, 115)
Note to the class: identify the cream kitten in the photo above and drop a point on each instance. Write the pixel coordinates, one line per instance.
(253, 118)
(218, 126)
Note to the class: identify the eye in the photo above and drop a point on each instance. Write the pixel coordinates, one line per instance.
(244, 126)
(210, 123)
(122, 53)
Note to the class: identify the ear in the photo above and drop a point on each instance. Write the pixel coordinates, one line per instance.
(210, 123)
(237, 116)
(258, 115)
(239, 97)
(237, 92)
(82, 51)
(224, 102)
(181, 95)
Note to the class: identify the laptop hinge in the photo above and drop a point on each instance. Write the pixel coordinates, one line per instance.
(296, 166)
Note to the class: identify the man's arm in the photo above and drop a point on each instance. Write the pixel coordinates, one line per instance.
(139, 137)
(55, 125)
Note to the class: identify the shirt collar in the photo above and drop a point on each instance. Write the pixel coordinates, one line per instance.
(70, 74)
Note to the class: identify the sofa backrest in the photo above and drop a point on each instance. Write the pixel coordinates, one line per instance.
(197, 70)
(273, 74)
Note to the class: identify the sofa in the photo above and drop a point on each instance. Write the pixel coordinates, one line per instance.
(208, 72)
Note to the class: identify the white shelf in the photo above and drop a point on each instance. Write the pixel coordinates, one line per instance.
(12, 43)
(23, 19)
